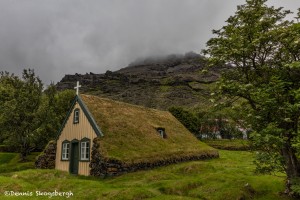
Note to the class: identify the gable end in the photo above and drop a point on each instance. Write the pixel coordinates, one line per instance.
(87, 114)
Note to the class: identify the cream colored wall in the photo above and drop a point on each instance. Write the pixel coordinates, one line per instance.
(75, 131)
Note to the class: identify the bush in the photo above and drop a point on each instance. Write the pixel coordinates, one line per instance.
(188, 119)
(295, 187)
(6, 148)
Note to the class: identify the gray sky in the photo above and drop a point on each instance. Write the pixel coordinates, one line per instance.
(58, 37)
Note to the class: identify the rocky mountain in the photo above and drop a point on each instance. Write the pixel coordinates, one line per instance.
(158, 82)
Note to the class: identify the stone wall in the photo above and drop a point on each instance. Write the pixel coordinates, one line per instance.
(104, 167)
(47, 159)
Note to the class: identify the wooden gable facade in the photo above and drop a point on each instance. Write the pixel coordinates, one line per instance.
(75, 138)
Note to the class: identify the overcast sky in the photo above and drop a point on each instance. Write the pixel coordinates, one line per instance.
(58, 37)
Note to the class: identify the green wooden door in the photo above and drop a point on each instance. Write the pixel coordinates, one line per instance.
(74, 158)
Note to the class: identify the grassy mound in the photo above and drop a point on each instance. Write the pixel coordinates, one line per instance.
(130, 133)
(11, 162)
(229, 177)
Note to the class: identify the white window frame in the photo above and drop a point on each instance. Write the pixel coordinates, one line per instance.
(65, 152)
(76, 116)
(85, 150)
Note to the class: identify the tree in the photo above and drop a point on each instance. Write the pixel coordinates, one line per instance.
(263, 50)
(216, 123)
(188, 119)
(29, 117)
(52, 112)
(20, 100)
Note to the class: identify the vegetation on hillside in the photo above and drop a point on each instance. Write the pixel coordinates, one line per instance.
(174, 80)
(263, 49)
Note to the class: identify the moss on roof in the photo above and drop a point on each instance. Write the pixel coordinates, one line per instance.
(130, 132)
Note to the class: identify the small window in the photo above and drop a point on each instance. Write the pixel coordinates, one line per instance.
(162, 132)
(76, 116)
(85, 149)
(65, 150)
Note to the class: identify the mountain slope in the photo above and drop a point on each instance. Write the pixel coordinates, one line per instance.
(174, 80)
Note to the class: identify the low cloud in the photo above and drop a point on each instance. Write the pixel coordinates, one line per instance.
(74, 36)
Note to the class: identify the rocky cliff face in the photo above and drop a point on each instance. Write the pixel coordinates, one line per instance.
(174, 80)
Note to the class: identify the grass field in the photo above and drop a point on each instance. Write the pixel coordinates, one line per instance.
(234, 144)
(223, 178)
(9, 162)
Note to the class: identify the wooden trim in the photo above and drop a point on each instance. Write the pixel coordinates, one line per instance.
(74, 140)
(90, 117)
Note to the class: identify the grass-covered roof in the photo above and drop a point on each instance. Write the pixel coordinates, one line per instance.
(130, 132)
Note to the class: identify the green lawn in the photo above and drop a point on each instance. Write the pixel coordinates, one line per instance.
(234, 144)
(223, 178)
(9, 162)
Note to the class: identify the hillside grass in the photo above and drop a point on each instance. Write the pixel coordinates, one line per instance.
(10, 162)
(130, 133)
(225, 178)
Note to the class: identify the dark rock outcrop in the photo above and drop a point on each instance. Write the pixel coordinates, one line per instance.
(177, 80)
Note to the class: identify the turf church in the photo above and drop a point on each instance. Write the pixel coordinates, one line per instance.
(101, 136)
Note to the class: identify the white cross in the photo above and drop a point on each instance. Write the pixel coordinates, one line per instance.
(77, 88)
